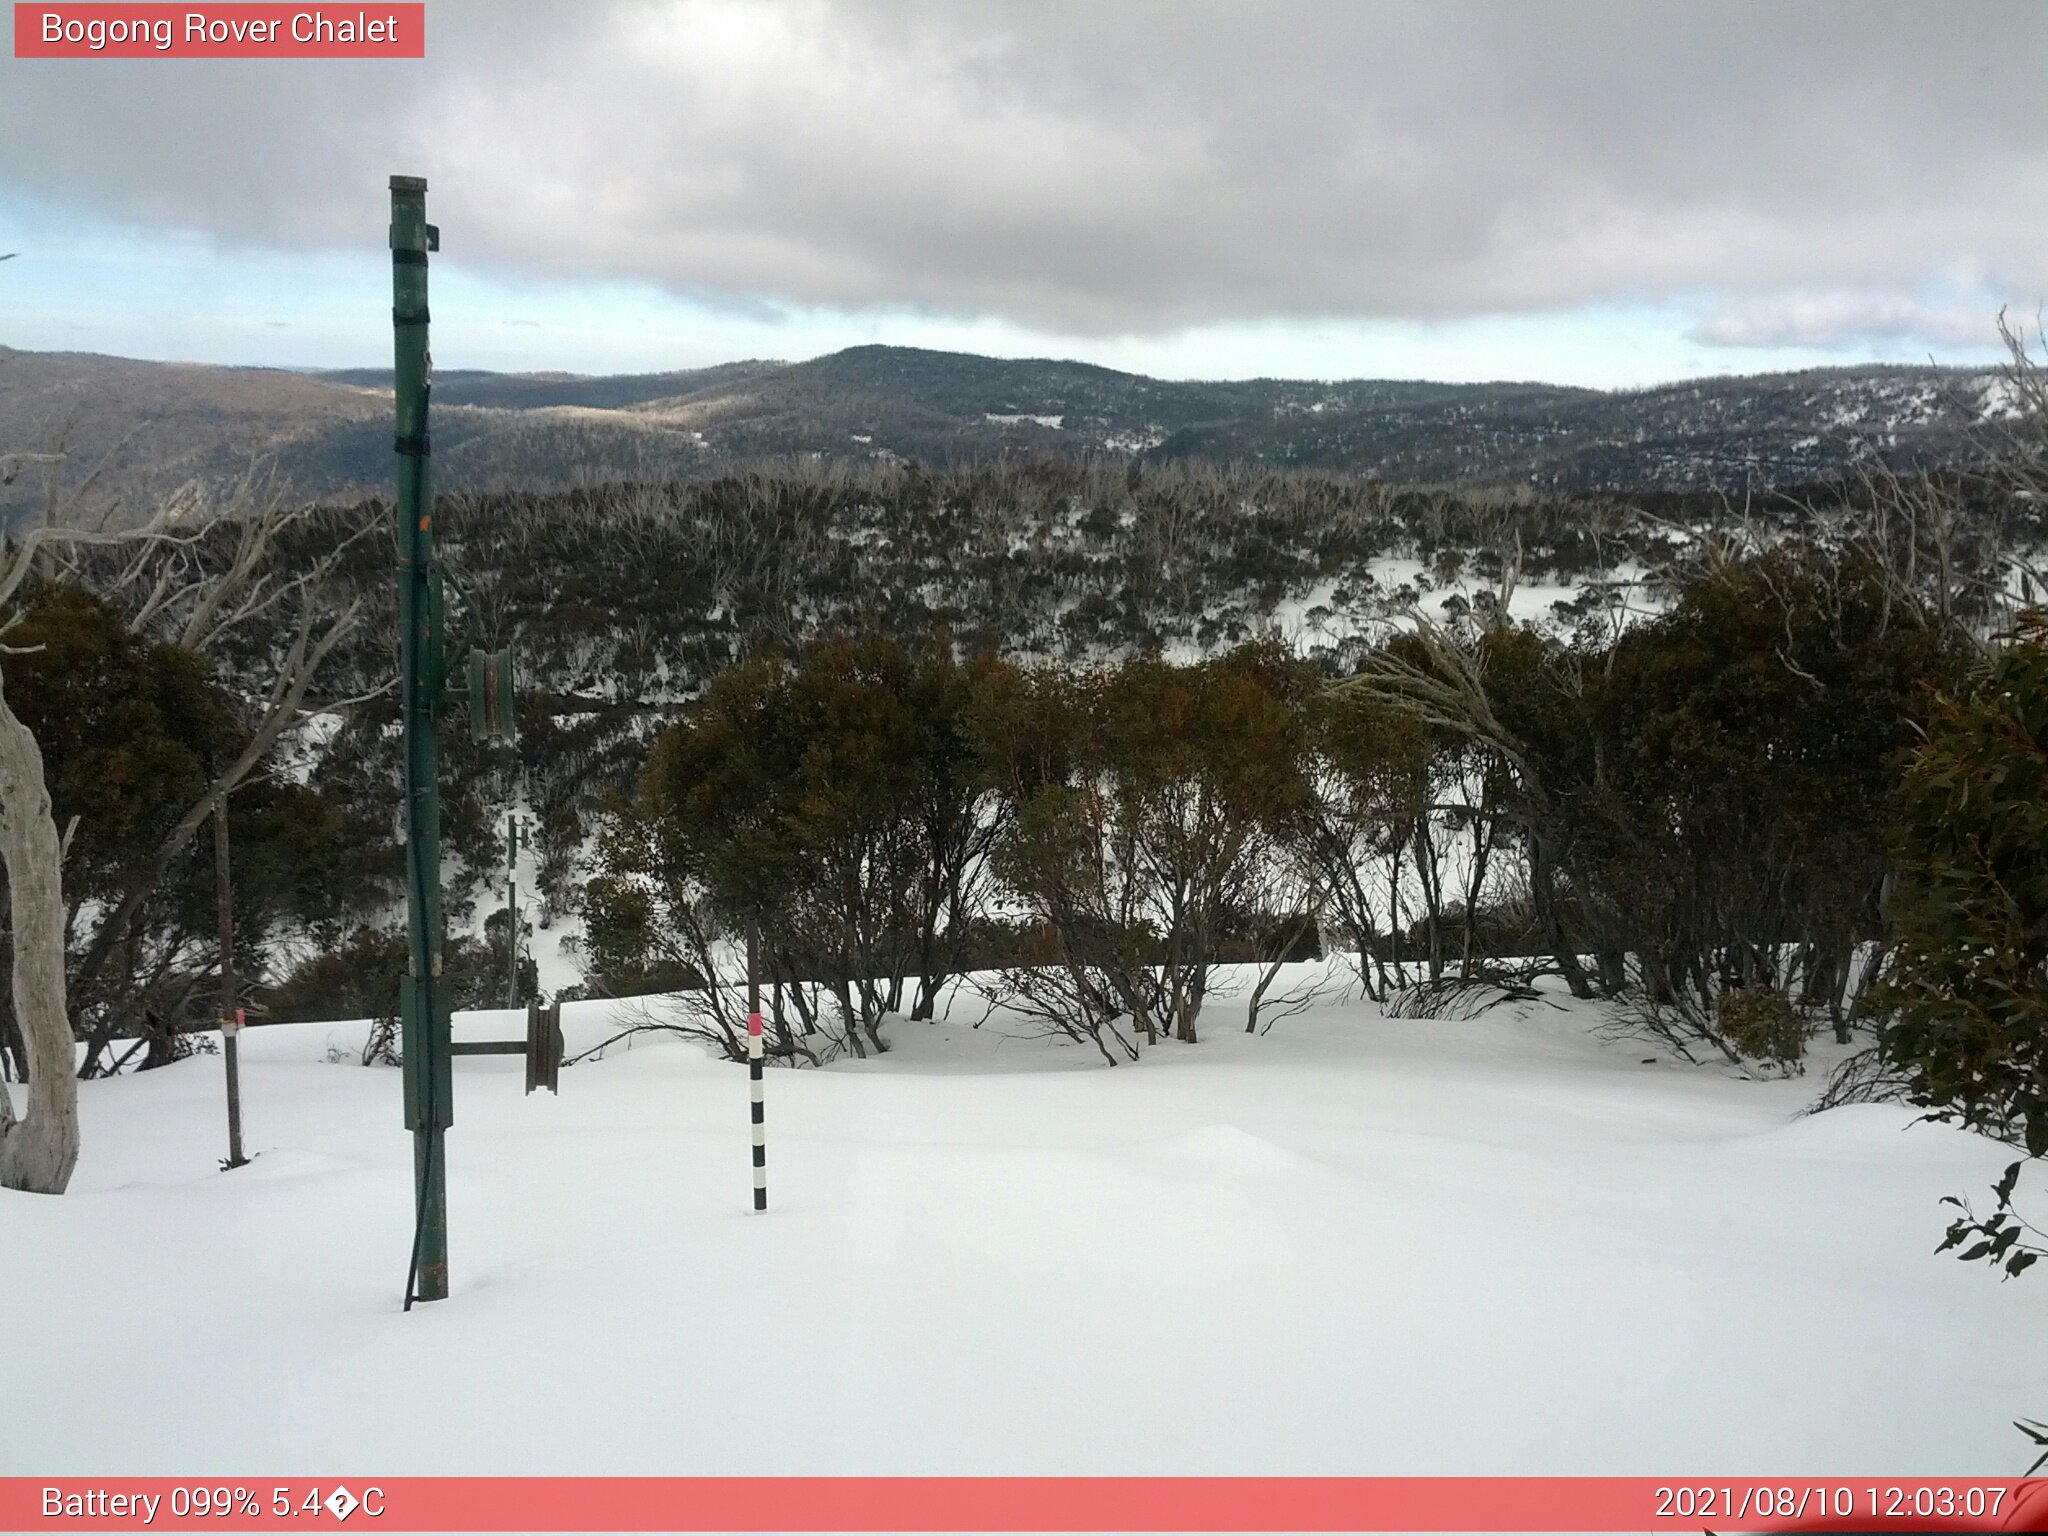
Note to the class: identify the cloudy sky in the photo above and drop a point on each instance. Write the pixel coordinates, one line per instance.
(1602, 194)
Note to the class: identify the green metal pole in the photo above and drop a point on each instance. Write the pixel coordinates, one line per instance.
(421, 662)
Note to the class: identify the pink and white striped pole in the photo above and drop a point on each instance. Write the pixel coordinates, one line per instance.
(754, 1066)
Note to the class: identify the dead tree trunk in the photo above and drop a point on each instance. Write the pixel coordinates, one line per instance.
(39, 1149)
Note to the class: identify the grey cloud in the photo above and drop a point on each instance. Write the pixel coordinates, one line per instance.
(1117, 168)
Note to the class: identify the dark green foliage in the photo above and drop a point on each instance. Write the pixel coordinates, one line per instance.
(787, 794)
(626, 949)
(1748, 742)
(1761, 1024)
(1151, 803)
(832, 806)
(1721, 784)
(1705, 802)
(853, 808)
(1967, 997)
(358, 978)
(2001, 1238)
(130, 729)
(133, 731)
(1968, 992)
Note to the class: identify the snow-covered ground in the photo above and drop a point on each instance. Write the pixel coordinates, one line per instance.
(1354, 1245)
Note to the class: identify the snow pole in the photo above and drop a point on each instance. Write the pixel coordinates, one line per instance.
(758, 1108)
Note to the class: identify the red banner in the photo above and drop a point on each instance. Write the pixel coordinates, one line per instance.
(217, 31)
(1026, 1504)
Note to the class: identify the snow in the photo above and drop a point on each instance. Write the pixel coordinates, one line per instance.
(1353, 1245)
(1391, 586)
(302, 744)
(551, 948)
(2000, 399)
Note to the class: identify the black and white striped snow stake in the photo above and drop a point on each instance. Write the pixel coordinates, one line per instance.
(759, 1111)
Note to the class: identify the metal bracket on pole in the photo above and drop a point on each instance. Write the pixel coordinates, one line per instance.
(544, 1047)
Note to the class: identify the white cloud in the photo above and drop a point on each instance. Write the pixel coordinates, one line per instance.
(1836, 321)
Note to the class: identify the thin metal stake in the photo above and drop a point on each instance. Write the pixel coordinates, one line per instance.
(754, 1065)
(230, 1014)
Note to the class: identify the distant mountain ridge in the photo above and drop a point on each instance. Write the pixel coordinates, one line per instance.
(140, 429)
(532, 391)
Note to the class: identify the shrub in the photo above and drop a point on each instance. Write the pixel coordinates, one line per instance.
(1761, 1024)
(1453, 998)
(359, 978)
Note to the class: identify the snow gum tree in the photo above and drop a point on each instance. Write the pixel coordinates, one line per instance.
(38, 1146)
(128, 729)
(154, 762)
(1149, 802)
(1705, 801)
(830, 804)
(1363, 770)
(1968, 989)
(1966, 996)
(1748, 747)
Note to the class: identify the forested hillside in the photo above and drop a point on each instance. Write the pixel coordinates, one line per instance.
(133, 432)
(624, 603)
